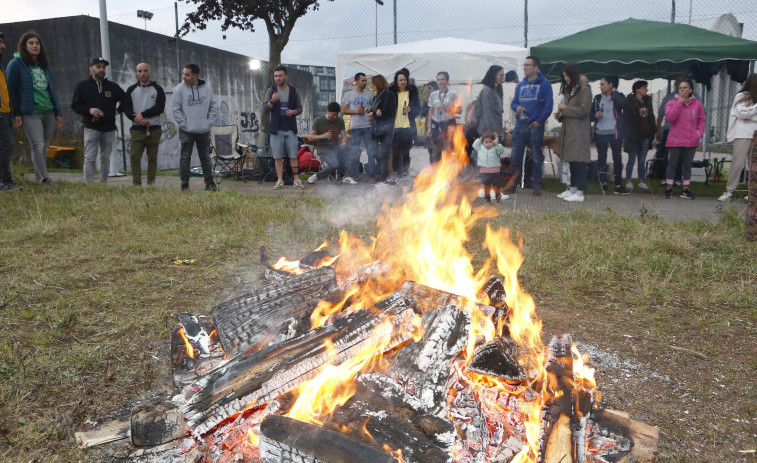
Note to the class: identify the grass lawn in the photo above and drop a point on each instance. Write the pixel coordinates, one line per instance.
(89, 293)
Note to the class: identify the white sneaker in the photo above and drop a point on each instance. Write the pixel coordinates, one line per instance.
(575, 198)
(298, 184)
(564, 194)
(629, 185)
(349, 181)
(642, 185)
(725, 196)
(313, 178)
(279, 184)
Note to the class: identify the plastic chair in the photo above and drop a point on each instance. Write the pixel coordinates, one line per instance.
(229, 155)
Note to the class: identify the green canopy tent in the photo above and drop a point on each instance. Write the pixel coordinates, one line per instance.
(638, 49)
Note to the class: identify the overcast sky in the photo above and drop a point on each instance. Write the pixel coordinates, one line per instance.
(344, 25)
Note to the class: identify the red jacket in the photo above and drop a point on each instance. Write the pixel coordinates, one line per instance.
(686, 122)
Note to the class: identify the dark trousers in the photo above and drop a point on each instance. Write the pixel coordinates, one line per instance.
(401, 144)
(383, 147)
(524, 135)
(615, 144)
(684, 156)
(6, 147)
(578, 175)
(188, 141)
(663, 146)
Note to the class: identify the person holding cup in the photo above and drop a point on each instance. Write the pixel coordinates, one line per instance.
(687, 120)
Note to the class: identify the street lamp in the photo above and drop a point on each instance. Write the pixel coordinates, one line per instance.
(378, 2)
(146, 15)
(254, 64)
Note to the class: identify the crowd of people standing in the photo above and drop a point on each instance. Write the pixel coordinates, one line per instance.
(384, 122)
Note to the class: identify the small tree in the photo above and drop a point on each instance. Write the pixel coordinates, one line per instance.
(279, 17)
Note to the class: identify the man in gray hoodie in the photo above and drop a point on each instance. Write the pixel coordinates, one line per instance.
(194, 110)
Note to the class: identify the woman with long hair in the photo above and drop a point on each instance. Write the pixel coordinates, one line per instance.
(491, 98)
(639, 117)
(742, 122)
(382, 114)
(575, 136)
(35, 106)
(405, 132)
(686, 116)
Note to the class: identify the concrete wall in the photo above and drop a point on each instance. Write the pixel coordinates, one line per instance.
(72, 42)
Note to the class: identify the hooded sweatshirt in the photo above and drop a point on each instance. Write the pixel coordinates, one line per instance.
(686, 122)
(536, 96)
(105, 95)
(194, 107)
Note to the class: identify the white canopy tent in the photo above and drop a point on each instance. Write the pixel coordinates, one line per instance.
(463, 59)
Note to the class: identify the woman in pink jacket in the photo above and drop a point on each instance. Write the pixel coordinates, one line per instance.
(686, 116)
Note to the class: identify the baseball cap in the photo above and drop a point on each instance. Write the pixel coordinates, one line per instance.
(100, 60)
(511, 76)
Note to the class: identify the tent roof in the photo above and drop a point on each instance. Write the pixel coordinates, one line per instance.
(463, 59)
(635, 48)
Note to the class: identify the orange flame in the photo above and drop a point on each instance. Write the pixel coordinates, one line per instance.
(397, 453)
(187, 344)
(334, 385)
(288, 266)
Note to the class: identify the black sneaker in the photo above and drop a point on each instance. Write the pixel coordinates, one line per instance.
(10, 186)
(686, 194)
(48, 181)
(211, 187)
(668, 193)
(185, 187)
(536, 191)
(605, 187)
(620, 190)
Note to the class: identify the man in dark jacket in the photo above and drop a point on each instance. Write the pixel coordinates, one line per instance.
(283, 103)
(6, 130)
(606, 113)
(144, 103)
(98, 100)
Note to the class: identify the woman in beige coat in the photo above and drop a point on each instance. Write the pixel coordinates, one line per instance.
(575, 141)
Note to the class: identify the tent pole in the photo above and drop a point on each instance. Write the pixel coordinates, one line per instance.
(706, 105)
(525, 24)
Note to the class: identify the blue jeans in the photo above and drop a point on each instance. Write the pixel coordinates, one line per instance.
(347, 159)
(523, 136)
(641, 155)
(284, 143)
(366, 136)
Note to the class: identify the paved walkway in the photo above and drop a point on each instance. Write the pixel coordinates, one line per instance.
(632, 205)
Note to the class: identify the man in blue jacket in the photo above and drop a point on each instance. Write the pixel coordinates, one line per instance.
(532, 105)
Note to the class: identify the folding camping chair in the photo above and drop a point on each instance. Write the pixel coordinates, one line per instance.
(229, 155)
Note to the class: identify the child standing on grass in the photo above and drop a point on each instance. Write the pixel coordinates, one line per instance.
(489, 150)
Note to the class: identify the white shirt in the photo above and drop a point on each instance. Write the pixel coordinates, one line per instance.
(436, 99)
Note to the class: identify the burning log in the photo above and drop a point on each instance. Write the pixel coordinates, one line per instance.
(286, 439)
(254, 378)
(423, 367)
(255, 318)
(428, 298)
(499, 359)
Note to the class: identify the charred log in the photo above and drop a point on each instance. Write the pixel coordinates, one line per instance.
(274, 313)
(257, 377)
(422, 368)
(499, 359)
(286, 439)
(153, 424)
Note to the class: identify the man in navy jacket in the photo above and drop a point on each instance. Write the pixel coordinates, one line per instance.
(532, 105)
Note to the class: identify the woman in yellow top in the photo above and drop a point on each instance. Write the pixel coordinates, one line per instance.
(408, 106)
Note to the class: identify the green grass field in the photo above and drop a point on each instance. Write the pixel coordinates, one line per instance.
(89, 294)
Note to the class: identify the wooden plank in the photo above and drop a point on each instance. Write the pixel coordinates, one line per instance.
(107, 432)
(153, 424)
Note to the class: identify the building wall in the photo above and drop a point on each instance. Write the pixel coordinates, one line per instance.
(324, 85)
(72, 42)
